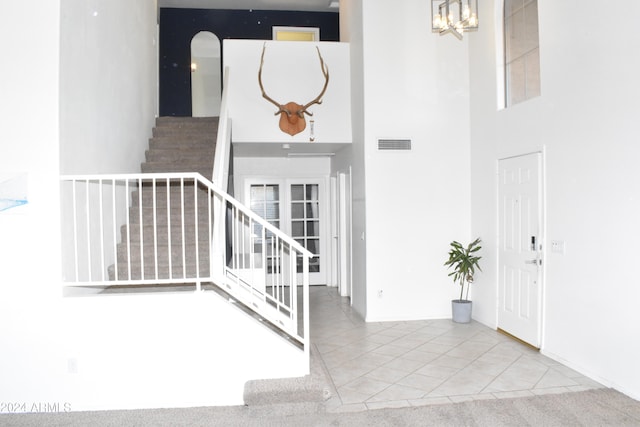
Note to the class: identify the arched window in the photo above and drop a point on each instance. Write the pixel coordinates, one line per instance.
(206, 75)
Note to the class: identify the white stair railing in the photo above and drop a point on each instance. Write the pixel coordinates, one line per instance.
(160, 228)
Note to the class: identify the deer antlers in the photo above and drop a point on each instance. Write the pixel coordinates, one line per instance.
(292, 114)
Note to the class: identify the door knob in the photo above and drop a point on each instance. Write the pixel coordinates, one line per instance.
(533, 261)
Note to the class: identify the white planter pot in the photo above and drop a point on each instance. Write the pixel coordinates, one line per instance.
(461, 310)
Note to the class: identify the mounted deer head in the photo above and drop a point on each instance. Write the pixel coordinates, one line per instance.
(291, 114)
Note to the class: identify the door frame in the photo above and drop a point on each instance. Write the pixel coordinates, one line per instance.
(542, 222)
(343, 233)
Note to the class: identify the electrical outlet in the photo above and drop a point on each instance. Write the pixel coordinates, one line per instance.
(380, 293)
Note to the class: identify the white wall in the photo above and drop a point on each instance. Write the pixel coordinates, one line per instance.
(29, 242)
(166, 350)
(586, 124)
(99, 352)
(416, 87)
(351, 31)
(291, 73)
(108, 84)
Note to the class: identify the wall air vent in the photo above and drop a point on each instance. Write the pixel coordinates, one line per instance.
(394, 144)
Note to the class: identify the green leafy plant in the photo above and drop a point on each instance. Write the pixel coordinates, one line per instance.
(464, 262)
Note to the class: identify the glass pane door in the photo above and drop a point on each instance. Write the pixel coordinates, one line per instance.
(295, 206)
(265, 201)
(305, 221)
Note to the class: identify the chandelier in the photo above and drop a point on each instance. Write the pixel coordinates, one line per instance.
(454, 16)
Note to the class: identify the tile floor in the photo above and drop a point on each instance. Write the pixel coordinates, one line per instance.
(399, 364)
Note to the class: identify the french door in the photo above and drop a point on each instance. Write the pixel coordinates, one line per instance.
(297, 207)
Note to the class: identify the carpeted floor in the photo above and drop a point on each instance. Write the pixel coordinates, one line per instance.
(602, 407)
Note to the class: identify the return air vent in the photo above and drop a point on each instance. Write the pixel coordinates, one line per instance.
(394, 144)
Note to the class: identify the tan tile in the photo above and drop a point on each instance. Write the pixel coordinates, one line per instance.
(488, 368)
(387, 374)
(361, 347)
(450, 362)
(470, 350)
(394, 364)
(342, 376)
(381, 338)
(420, 356)
(554, 378)
(407, 343)
(397, 392)
(432, 347)
(348, 396)
(393, 332)
(437, 371)
(566, 371)
(421, 382)
(463, 384)
(588, 382)
(451, 341)
(403, 364)
(373, 359)
(365, 385)
(390, 350)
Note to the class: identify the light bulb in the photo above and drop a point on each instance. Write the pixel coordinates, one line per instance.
(437, 21)
(473, 20)
(466, 12)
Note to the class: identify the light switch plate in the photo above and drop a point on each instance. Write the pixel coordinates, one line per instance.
(557, 246)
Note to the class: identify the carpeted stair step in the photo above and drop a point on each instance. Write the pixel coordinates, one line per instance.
(176, 196)
(173, 155)
(183, 143)
(161, 235)
(304, 393)
(164, 218)
(185, 134)
(150, 271)
(205, 170)
(180, 144)
(162, 250)
(202, 127)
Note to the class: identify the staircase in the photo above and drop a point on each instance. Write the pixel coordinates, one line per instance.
(156, 238)
(155, 231)
(182, 144)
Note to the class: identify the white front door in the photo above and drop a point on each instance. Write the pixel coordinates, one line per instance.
(297, 207)
(520, 247)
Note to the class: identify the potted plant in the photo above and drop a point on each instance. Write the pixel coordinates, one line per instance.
(464, 262)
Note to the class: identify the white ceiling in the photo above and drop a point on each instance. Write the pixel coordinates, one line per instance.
(298, 5)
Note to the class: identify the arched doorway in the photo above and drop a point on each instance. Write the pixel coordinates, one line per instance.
(206, 79)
